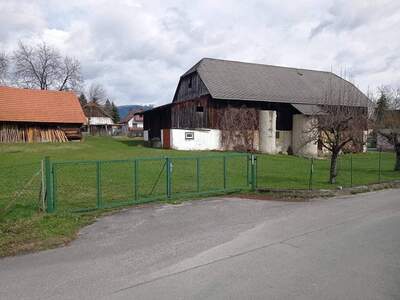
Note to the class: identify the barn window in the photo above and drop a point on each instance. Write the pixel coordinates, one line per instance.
(189, 135)
(277, 135)
(190, 83)
(199, 109)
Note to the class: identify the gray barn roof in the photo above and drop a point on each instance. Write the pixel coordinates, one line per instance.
(256, 82)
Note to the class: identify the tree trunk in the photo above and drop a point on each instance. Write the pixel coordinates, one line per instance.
(333, 170)
(397, 150)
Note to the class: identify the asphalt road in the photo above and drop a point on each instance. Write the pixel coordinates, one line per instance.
(340, 248)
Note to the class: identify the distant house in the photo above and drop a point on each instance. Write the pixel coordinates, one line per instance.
(98, 121)
(282, 102)
(30, 115)
(132, 123)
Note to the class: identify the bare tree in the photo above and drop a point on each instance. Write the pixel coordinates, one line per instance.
(387, 121)
(97, 93)
(42, 66)
(238, 127)
(340, 122)
(3, 67)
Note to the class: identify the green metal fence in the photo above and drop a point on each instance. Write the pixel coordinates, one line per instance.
(290, 172)
(86, 185)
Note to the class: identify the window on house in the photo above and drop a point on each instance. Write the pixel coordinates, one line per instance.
(199, 109)
(190, 83)
(277, 135)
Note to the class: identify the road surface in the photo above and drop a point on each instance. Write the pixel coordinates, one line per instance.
(226, 248)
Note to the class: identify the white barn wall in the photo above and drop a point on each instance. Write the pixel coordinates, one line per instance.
(267, 131)
(207, 139)
(301, 137)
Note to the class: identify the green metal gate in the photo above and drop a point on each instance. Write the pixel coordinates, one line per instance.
(86, 185)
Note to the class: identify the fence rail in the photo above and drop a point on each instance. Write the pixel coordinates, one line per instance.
(86, 185)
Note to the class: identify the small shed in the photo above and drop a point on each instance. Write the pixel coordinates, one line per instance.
(30, 115)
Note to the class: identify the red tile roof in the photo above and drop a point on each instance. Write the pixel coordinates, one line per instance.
(29, 105)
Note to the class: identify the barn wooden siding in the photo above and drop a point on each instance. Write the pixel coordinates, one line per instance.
(190, 87)
(191, 114)
(187, 115)
(157, 119)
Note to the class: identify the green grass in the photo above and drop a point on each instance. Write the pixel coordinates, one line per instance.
(24, 228)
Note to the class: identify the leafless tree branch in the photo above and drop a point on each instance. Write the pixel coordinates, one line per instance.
(340, 123)
(3, 67)
(42, 66)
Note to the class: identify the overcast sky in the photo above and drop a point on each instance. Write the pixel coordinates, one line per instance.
(138, 49)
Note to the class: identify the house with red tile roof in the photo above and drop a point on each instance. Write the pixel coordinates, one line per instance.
(30, 115)
(132, 123)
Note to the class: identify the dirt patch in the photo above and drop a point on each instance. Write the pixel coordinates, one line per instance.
(308, 195)
(277, 196)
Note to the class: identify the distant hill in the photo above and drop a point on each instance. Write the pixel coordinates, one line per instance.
(124, 109)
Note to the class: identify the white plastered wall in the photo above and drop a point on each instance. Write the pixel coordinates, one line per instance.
(204, 139)
(301, 136)
(267, 131)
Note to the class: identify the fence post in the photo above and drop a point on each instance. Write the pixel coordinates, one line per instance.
(248, 170)
(168, 176)
(379, 166)
(351, 169)
(253, 160)
(311, 174)
(48, 184)
(136, 179)
(224, 166)
(98, 183)
(198, 174)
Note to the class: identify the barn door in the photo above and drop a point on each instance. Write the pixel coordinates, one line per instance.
(166, 139)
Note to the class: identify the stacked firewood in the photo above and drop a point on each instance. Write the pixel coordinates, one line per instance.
(30, 134)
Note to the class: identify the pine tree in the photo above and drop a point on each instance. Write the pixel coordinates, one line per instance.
(108, 107)
(82, 99)
(115, 113)
(382, 106)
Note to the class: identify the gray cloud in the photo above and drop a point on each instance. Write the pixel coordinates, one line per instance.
(138, 49)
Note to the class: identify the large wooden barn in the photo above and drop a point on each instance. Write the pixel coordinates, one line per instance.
(28, 115)
(266, 107)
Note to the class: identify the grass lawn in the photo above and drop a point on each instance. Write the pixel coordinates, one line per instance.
(24, 228)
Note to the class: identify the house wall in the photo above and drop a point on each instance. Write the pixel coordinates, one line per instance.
(100, 121)
(207, 139)
(132, 123)
(301, 137)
